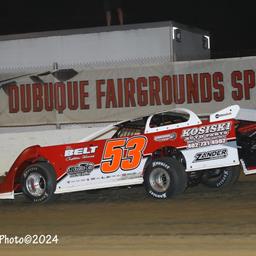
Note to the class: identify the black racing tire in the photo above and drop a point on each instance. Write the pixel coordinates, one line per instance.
(221, 177)
(165, 178)
(39, 182)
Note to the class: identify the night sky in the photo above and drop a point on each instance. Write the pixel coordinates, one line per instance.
(231, 25)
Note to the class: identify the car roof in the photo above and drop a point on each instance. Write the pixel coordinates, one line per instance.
(141, 119)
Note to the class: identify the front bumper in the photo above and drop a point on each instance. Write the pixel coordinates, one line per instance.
(8, 195)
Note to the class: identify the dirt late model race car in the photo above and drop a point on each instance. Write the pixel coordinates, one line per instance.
(168, 152)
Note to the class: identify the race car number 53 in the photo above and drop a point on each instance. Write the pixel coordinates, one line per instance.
(123, 153)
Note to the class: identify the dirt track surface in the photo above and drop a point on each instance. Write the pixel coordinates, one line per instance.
(125, 221)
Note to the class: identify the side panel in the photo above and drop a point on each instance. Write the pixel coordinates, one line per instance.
(98, 164)
(205, 146)
(211, 146)
(97, 179)
(211, 157)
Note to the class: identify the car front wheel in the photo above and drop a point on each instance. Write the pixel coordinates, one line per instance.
(39, 182)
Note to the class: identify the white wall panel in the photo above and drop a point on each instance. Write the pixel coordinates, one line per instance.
(109, 46)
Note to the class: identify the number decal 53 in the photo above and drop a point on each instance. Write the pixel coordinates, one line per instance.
(123, 153)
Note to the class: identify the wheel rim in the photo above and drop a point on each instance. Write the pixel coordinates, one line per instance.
(159, 179)
(36, 184)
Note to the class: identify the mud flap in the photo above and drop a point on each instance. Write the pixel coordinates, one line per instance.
(248, 169)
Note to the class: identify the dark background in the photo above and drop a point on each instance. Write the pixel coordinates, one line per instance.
(230, 23)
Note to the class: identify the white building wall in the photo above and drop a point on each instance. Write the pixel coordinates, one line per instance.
(111, 46)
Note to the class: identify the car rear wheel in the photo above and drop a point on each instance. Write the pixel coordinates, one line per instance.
(165, 178)
(221, 177)
(39, 182)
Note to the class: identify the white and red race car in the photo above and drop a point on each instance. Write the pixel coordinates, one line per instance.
(168, 152)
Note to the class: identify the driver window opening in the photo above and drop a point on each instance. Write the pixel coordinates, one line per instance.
(168, 118)
(131, 128)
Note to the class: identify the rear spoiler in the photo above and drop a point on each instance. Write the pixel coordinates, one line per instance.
(230, 112)
(246, 114)
(234, 112)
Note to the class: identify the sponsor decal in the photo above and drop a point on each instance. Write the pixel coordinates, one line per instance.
(207, 135)
(154, 164)
(123, 153)
(79, 157)
(223, 179)
(82, 169)
(80, 151)
(211, 155)
(221, 115)
(166, 137)
(157, 195)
